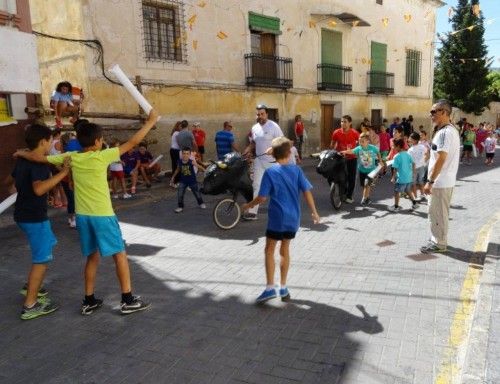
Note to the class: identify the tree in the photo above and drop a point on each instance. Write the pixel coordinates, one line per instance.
(461, 71)
(494, 89)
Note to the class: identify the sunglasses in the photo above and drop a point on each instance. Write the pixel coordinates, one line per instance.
(434, 111)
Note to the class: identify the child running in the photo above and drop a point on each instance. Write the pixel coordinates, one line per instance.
(404, 168)
(97, 225)
(187, 168)
(366, 154)
(282, 183)
(33, 182)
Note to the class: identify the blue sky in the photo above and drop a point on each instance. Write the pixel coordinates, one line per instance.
(491, 10)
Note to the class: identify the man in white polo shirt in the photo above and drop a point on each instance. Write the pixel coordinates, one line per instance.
(262, 135)
(442, 175)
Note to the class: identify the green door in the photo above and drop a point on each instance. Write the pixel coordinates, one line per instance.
(378, 64)
(331, 53)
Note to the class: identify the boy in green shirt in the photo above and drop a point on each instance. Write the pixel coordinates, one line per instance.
(469, 137)
(97, 225)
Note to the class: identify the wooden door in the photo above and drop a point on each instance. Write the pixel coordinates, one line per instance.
(376, 117)
(327, 125)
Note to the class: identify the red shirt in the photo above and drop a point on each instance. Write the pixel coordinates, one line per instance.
(299, 128)
(385, 141)
(346, 140)
(199, 137)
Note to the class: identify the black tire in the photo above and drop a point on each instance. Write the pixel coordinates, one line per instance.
(227, 213)
(335, 197)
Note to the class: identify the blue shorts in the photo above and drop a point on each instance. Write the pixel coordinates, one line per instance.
(403, 187)
(128, 170)
(419, 178)
(99, 233)
(41, 240)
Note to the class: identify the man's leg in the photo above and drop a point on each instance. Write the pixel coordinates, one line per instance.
(123, 271)
(35, 279)
(270, 264)
(258, 172)
(351, 177)
(90, 272)
(439, 210)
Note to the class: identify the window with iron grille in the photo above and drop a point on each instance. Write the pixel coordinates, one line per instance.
(413, 67)
(163, 22)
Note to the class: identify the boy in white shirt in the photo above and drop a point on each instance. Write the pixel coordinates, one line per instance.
(418, 153)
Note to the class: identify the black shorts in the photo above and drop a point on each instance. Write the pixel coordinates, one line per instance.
(467, 148)
(201, 150)
(279, 235)
(490, 155)
(362, 178)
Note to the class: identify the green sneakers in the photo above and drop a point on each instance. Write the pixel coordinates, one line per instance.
(39, 309)
(42, 292)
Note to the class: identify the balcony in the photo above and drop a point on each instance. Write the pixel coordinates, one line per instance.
(333, 77)
(268, 71)
(380, 82)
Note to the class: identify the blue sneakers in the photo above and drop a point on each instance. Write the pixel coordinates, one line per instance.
(284, 294)
(268, 294)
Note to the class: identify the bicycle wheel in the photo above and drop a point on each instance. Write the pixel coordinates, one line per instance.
(226, 213)
(335, 198)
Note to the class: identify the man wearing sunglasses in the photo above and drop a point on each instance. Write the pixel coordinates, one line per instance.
(442, 175)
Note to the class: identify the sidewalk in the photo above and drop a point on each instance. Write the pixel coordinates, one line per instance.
(366, 306)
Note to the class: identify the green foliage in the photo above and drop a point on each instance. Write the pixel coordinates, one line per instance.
(461, 70)
(494, 89)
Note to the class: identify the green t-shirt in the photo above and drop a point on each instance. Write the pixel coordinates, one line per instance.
(366, 157)
(90, 176)
(469, 137)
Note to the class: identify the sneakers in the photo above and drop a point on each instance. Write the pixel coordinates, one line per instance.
(88, 309)
(414, 206)
(349, 200)
(203, 206)
(284, 294)
(115, 196)
(394, 208)
(249, 216)
(37, 310)
(135, 305)
(72, 222)
(432, 247)
(366, 202)
(423, 199)
(126, 196)
(42, 292)
(268, 294)
(178, 210)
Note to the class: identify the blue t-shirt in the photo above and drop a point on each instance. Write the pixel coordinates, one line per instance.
(224, 141)
(403, 163)
(366, 157)
(283, 184)
(73, 145)
(187, 175)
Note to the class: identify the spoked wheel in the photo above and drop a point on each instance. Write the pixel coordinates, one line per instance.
(226, 213)
(335, 197)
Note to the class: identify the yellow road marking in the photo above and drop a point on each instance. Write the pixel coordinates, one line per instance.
(454, 354)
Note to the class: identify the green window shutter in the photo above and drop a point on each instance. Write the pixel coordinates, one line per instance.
(378, 57)
(413, 67)
(331, 47)
(261, 23)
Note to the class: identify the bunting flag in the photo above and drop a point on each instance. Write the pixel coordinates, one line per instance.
(221, 35)
(476, 9)
(332, 23)
(195, 44)
(312, 24)
(385, 22)
(407, 17)
(355, 23)
(451, 10)
(202, 4)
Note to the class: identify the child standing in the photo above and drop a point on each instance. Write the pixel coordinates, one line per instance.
(469, 138)
(33, 182)
(404, 168)
(385, 142)
(97, 225)
(418, 153)
(117, 175)
(187, 171)
(282, 183)
(130, 161)
(366, 154)
(489, 147)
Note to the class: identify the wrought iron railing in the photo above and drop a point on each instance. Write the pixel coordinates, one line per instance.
(380, 82)
(333, 77)
(268, 71)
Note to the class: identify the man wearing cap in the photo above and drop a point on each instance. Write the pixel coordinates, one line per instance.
(262, 134)
(199, 138)
(224, 141)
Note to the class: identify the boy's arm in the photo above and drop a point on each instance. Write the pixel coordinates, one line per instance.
(10, 183)
(257, 201)
(199, 165)
(310, 202)
(141, 133)
(347, 152)
(172, 178)
(41, 187)
(31, 156)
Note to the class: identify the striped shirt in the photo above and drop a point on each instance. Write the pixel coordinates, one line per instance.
(224, 141)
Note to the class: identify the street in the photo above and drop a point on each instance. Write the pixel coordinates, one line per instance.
(366, 306)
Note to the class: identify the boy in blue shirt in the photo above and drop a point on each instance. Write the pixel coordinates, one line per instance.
(283, 184)
(33, 182)
(366, 154)
(404, 168)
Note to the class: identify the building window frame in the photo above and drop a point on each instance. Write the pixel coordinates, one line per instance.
(413, 68)
(164, 36)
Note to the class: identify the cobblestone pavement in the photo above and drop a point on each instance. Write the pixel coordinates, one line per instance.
(366, 306)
